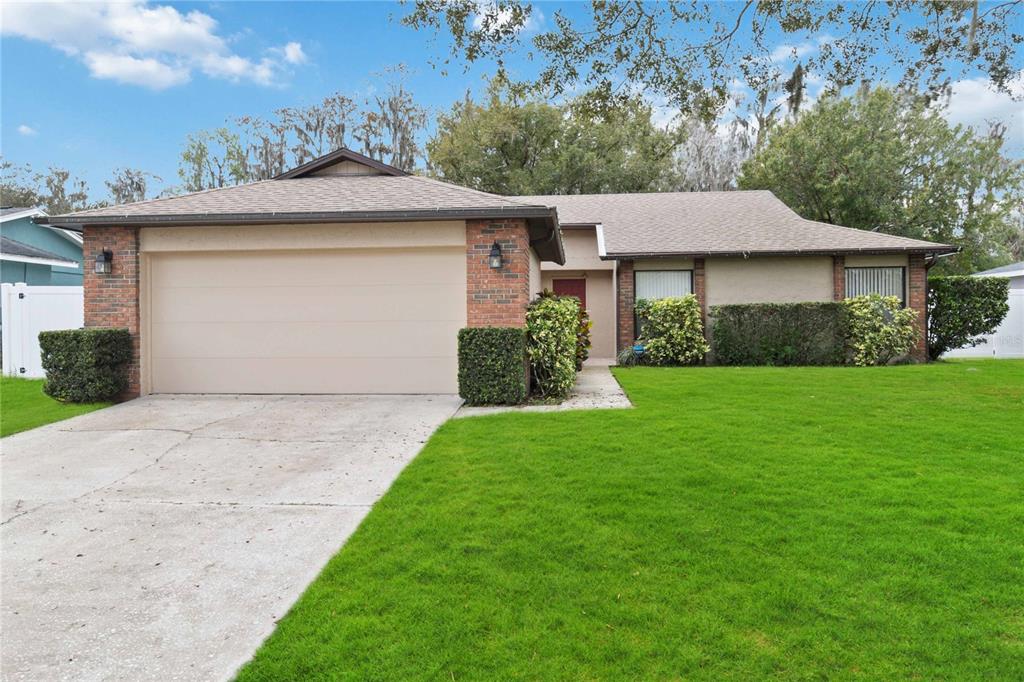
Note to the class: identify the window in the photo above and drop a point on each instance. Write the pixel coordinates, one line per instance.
(882, 281)
(651, 284)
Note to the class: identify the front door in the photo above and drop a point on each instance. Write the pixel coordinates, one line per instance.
(572, 287)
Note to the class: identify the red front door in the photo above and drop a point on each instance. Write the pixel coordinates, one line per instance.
(572, 287)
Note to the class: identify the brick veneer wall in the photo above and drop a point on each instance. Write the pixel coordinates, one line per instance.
(625, 302)
(497, 298)
(113, 300)
(838, 278)
(917, 296)
(700, 291)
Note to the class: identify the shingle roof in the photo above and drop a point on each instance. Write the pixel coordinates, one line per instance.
(7, 210)
(312, 195)
(1003, 269)
(696, 223)
(10, 247)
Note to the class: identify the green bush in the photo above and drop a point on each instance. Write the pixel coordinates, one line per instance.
(881, 329)
(779, 334)
(85, 365)
(962, 309)
(492, 365)
(582, 329)
(671, 331)
(552, 323)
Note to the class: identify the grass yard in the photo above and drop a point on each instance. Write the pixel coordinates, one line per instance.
(23, 406)
(739, 523)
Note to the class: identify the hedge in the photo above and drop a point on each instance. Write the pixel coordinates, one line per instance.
(671, 331)
(492, 365)
(552, 324)
(779, 334)
(85, 365)
(881, 329)
(963, 309)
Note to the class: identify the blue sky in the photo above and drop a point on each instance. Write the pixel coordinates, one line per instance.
(82, 89)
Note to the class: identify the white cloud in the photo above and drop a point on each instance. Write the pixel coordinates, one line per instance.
(504, 16)
(135, 42)
(974, 103)
(27, 131)
(785, 51)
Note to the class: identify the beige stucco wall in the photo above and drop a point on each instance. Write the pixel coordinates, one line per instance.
(663, 264)
(580, 246)
(313, 236)
(782, 279)
(876, 261)
(600, 305)
(535, 275)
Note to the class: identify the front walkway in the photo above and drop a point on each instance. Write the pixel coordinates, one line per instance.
(595, 388)
(163, 538)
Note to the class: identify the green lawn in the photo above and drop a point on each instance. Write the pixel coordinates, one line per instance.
(739, 523)
(23, 406)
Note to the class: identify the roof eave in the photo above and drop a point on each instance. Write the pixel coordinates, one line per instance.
(936, 249)
(77, 223)
(336, 156)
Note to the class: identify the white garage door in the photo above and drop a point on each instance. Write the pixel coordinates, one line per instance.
(333, 321)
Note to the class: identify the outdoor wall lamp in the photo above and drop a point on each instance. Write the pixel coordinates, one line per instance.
(495, 258)
(104, 262)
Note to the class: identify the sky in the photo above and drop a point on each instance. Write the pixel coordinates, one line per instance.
(93, 87)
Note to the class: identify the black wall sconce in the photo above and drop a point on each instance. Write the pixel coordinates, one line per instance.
(494, 260)
(104, 262)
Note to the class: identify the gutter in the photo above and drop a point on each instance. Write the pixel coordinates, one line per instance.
(938, 249)
(77, 223)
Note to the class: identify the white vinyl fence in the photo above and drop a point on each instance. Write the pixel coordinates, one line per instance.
(28, 310)
(1007, 341)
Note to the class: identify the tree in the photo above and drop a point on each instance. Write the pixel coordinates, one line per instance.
(212, 158)
(55, 191)
(514, 146)
(689, 52)
(710, 158)
(888, 161)
(129, 185)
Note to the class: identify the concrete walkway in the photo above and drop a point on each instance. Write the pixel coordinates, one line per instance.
(595, 388)
(163, 538)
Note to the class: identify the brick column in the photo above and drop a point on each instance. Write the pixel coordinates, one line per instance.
(113, 300)
(700, 291)
(838, 278)
(917, 296)
(625, 304)
(497, 298)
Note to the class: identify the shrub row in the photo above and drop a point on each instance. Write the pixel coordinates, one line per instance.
(779, 333)
(865, 330)
(492, 365)
(85, 365)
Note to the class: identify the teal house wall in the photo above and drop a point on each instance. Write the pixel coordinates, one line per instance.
(25, 231)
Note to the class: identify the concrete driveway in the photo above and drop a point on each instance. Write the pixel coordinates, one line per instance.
(162, 538)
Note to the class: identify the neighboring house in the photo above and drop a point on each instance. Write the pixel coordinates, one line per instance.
(37, 254)
(1008, 339)
(346, 275)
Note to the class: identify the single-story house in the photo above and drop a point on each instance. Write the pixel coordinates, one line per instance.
(1007, 341)
(346, 275)
(37, 254)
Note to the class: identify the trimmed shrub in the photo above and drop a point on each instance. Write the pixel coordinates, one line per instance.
(582, 329)
(85, 365)
(492, 365)
(552, 323)
(671, 331)
(881, 329)
(779, 334)
(962, 309)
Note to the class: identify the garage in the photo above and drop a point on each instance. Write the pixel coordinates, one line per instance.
(360, 320)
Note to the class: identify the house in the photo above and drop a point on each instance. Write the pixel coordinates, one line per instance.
(346, 275)
(1008, 339)
(37, 254)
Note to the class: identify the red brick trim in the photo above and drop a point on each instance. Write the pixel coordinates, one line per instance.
(917, 278)
(113, 300)
(497, 298)
(838, 278)
(626, 295)
(700, 291)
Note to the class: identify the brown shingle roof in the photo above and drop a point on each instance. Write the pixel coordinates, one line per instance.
(309, 195)
(698, 223)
